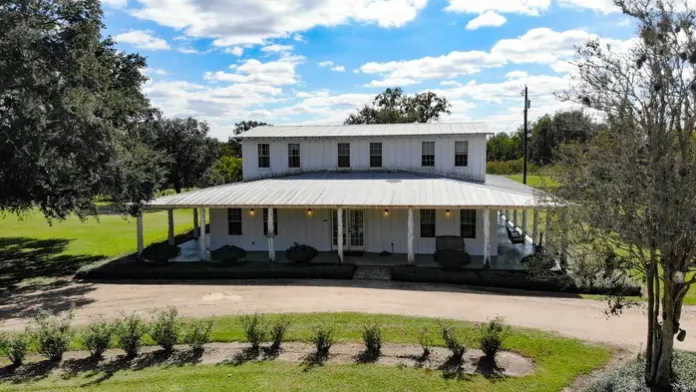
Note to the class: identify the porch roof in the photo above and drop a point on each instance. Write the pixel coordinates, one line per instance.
(356, 189)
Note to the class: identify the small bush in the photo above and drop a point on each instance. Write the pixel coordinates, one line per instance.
(301, 253)
(161, 252)
(323, 339)
(278, 331)
(372, 337)
(15, 347)
(254, 330)
(492, 335)
(452, 259)
(97, 338)
(130, 334)
(453, 342)
(166, 328)
(425, 339)
(53, 334)
(228, 254)
(198, 333)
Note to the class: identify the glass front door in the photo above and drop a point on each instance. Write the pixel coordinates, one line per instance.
(353, 229)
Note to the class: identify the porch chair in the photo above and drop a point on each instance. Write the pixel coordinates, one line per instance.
(514, 235)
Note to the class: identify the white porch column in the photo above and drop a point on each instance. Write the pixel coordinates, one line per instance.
(549, 217)
(271, 234)
(141, 241)
(411, 254)
(339, 236)
(535, 227)
(514, 217)
(524, 222)
(196, 230)
(507, 216)
(202, 243)
(170, 219)
(486, 238)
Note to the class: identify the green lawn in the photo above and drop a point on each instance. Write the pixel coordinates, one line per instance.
(558, 362)
(30, 248)
(535, 181)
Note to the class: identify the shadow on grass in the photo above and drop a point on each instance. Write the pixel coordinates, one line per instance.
(26, 258)
(367, 356)
(246, 355)
(97, 371)
(453, 369)
(313, 360)
(488, 368)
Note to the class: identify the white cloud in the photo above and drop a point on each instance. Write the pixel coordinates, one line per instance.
(449, 83)
(237, 51)
(391, 82)
(527, 7)
(298, 37)
(537, 46)
(277, 48)
(338, 68)
(234, 22)
(142, 39)
(116, 3)
(563, 67)
(274, 73)
(516, 75)
(603, 6)
(155, 71)
(324, 64)
(487, 19)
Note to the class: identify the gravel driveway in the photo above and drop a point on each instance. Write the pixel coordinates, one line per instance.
(571, 317)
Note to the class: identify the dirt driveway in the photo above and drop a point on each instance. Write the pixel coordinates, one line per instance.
(571, 317)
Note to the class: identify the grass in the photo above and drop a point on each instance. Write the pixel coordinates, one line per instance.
(558, 362)
(535, 181)
(31, 249)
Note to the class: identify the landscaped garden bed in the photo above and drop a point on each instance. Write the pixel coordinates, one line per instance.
(128, 269)
(504, 279)
(362, 352)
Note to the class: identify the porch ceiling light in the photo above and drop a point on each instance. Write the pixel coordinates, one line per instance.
(309, 212)
(386, 212)
(251, 212)
(448, 213)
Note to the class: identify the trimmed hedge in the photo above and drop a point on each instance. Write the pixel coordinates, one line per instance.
(452, 259)
(502, 279)
(228, 254)
(161, 252)
(255, 270)
(302, 254)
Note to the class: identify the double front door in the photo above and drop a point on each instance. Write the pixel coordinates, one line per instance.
(353, 229)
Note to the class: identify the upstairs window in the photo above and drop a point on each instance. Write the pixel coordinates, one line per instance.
(264, 155)
(343, 154)
(265, 221)
(234, 221)
(375, 154)
(467, 221)
(461, 154)
(294, 155)
(428, 154)
(427, 223)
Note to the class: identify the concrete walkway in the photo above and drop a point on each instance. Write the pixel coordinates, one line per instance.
(584, 319)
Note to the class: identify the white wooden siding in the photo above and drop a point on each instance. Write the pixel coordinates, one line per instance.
(402, 153)
(382, 233)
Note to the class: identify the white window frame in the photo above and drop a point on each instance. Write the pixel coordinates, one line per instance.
(428, 154)
(461, 154)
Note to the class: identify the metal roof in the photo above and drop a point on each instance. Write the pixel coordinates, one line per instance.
(472, 128)
(356, 189)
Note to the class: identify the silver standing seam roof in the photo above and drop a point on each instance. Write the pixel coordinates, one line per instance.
(300, 131)
(359, 189)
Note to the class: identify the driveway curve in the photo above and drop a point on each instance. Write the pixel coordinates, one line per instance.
(572, 317)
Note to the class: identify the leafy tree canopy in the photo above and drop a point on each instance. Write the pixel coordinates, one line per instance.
(67, 101)
(393, 106)
(233, 148)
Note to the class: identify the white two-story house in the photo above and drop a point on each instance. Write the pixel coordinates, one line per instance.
(380, 188)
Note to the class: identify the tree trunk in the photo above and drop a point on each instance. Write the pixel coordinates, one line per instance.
(663, 361)
(177, 187)
(649, 350)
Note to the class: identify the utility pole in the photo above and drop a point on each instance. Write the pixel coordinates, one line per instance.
(526, 108)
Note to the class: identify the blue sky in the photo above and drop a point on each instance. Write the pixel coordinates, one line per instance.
(314, 61)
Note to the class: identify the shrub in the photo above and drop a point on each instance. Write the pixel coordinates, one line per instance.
(53, 334)
(372, 337)
(452, 259)
(254, 330)
(301, 253)
(161, 252)
(130, 333)
(166, 328)
(425, 340)
(228, 254)
(198, 333)
(15, 347)
(278, 330)
(491, 336)
(97, 337)
(453, 342)
(323, 339)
